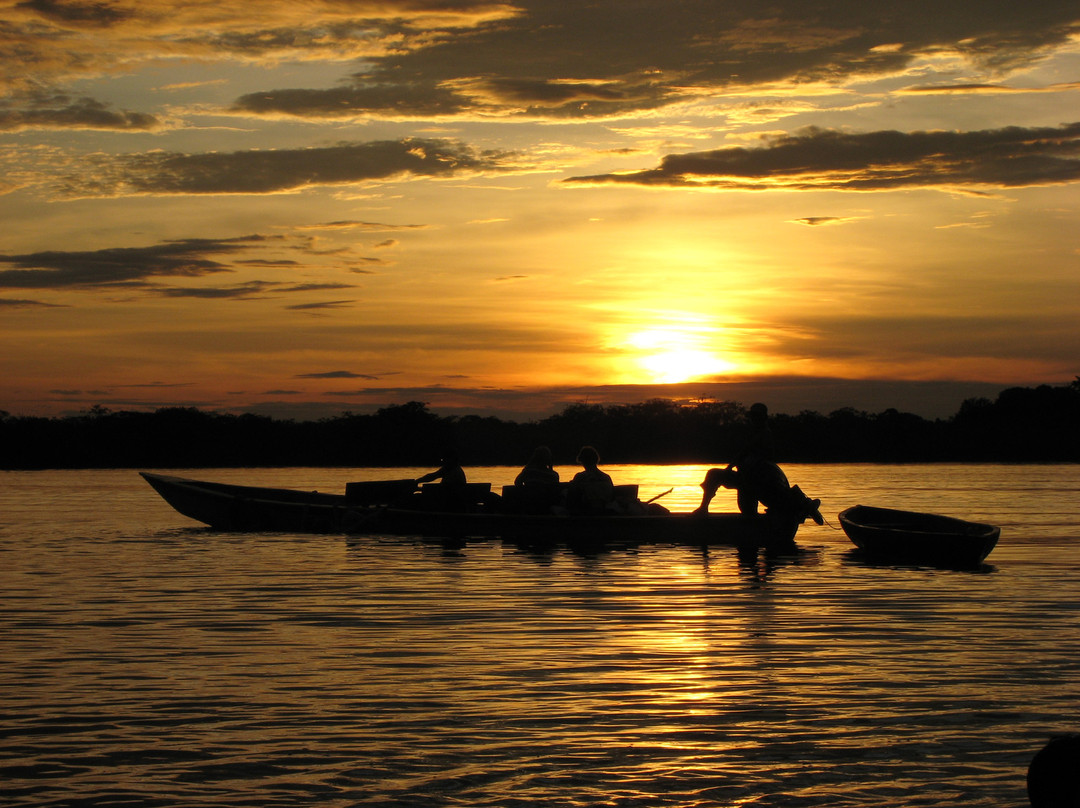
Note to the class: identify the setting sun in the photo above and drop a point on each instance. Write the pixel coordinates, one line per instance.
(675, 354)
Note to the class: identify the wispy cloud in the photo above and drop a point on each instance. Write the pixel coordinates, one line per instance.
(321, 306)
(360, 225)
(818, 221)
(336, 374)
(16, 303)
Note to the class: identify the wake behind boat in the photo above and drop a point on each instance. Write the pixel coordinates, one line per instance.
(895, 535)
(394, 507)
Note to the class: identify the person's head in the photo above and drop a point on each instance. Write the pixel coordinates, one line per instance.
(588, 457)
(759, 413)
(1053, 778)
(541, 456)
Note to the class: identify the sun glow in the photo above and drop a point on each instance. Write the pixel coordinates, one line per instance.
(675, 354)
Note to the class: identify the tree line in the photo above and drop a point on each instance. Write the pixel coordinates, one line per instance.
(1040, 424)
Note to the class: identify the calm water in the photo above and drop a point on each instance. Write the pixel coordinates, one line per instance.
(149, 662)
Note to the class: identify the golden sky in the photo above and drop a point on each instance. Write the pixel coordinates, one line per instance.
(305, 208)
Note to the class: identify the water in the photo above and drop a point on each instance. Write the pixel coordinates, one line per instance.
(150, 662)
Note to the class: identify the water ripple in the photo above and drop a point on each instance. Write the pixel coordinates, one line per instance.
(151, 664)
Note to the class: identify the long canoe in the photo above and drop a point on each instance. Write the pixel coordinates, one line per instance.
(392, 509)
(895, 535)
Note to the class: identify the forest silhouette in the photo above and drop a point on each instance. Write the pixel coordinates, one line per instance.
(1040, 424)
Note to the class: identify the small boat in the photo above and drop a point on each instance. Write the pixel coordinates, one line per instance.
(395, 508)
(892, 535)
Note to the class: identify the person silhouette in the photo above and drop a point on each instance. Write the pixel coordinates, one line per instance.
(538, 469)
(591, 490)
(756, 478)
(1053, 777)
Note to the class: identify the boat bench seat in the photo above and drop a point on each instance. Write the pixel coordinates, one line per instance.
(435, 496)
(539, 498)
(533, 498)
(378, 492)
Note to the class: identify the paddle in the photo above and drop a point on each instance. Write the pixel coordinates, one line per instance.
(664, 494)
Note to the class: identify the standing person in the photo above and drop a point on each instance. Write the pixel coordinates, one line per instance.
(756, 478)
(538, 470)
(591, 489)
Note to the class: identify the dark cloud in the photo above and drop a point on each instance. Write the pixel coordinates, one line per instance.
(71, 11)
(818, 159)
(316, 287)
(188, 258)
(336, 374)
(612, 57)
(243, 291)
(818, 221)
(15, 303)
(783, 394)
(270, 171)
(136, 267)
(61, 111)
(155, 385)
(323, 306)
(405, 100)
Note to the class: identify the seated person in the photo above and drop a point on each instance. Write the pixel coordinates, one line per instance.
(538, 471)
(591, 490)
(760, 481)
(452, 477)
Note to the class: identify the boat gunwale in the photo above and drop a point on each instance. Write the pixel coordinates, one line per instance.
(964, 528)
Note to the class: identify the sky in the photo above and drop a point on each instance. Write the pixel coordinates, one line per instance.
(305, 208)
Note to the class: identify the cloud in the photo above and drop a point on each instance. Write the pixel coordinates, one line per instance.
(93, 14)
(987, 89)
(59, 41)
(818, 221)
(820, 159)
(336, 374)
(275, 171)
(60, 111)
(15, 303)
(243, 291)
(325, 305)
(54, 269)
(533, 58)
(559, 60)
(359, 225)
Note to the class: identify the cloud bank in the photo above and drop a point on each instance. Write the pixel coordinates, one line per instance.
(818, 159)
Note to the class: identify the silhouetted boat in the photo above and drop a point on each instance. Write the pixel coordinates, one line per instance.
(394, 508)
(892, 535)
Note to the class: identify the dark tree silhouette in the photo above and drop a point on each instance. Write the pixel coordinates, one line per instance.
(1040, 424)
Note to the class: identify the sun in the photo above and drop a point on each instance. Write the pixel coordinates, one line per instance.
(675, 354)
(674, 367)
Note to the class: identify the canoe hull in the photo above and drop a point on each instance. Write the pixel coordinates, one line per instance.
(243, 508)
(677, 528)
(908, 536)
